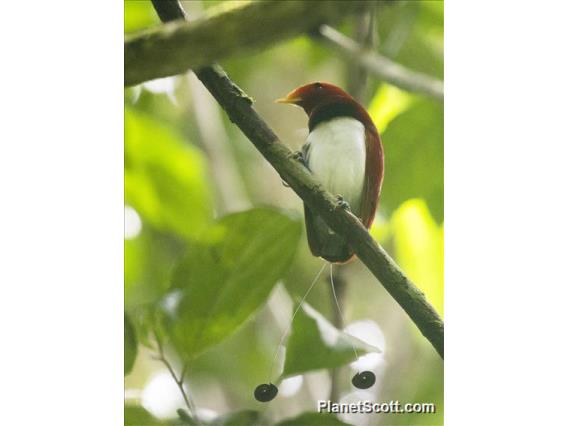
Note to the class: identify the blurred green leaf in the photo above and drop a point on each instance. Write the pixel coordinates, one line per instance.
(130, 345)
(315, 344)
(419, 248)
(313, 419)
(139, 15)
(226, 275)
(135, 415)
(414, 158)
(165, 179)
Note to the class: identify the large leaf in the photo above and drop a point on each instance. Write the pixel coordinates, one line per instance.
(227, 275)
(130, 345)
(315, 344)
(165, 179)
(414, 158)
(313, 419)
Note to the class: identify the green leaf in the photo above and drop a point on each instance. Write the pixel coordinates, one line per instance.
(134, 415)
(315, 344)
(414, 158)
(226, 275)
(165, 179)
(313, 419)
(130, 345)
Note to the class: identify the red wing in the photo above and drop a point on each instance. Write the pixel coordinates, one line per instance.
(373, 180)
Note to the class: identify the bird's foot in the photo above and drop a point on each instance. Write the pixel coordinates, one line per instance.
(342, 203)
(285, 184)
(299, 156)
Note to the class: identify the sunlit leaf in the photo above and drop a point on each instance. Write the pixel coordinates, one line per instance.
(139, 15)
(313, 419)
(315, 343)
(130, 345)
(419, 245)
(414, 158)
(388, 102)
(227, 275)
(165, 179)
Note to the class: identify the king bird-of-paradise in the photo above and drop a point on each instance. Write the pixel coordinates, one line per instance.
(344, 151)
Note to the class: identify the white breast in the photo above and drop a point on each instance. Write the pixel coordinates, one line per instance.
(337, 157)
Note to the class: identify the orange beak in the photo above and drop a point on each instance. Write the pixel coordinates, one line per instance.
(291, 98)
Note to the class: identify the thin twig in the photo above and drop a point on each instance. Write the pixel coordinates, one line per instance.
(238, 106)
(380, 66)
(192, 409)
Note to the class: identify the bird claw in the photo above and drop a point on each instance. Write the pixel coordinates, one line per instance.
(299, 156)
(285, 184)
(342, 203)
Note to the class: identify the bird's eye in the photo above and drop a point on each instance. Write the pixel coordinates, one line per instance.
(318, 86)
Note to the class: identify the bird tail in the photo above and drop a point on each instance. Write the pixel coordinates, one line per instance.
(323, 241)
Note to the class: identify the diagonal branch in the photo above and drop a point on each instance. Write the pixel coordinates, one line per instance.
(378, 65)
(238, 107)
(178, 46)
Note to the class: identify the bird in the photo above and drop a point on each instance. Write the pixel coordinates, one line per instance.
(344, 151)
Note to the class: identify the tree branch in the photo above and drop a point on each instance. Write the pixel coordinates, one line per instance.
(380, 66)
(178, 46)
(238, 107)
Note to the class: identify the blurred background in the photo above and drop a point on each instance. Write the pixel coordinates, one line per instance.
(189, 170)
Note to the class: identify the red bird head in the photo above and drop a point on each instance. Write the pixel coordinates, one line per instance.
(316, 94)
